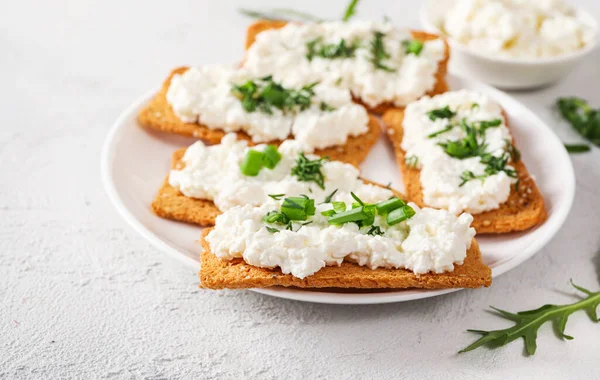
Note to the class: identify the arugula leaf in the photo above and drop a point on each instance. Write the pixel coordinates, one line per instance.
(582, 117)
(350, 10)
(528, 322)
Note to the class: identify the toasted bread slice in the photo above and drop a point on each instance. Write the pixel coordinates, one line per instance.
(236, 274)
(522, 210)
(159, 115)
(170, 203)
(440, 85)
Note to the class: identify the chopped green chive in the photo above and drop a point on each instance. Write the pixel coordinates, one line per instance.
(339, 206)
(475, 106)
(411, 161)
(264, 94)
(354, 215)
(378, 52)
(298, 208)
(375, 230)
(330, 196)
(276, 196)
(434, 134)
(441, 113)
(271, 229)
(399, 215)
(357, 199)
(309, 170)
(271, 156)
(316, 48)
(412, 46)
(326, 107)
(385, 207)
(252, 163)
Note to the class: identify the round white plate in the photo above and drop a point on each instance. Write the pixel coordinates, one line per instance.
(135, 161)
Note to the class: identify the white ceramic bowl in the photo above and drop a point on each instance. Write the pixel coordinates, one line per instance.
(502, 72)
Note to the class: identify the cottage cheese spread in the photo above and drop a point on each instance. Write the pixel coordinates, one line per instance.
(213, 173)
(204, 95)
(283, 54)
(517, 28)
(431, 241)
(441, 173)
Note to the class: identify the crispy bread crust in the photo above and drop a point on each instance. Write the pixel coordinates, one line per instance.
(170, 203)
(236, 274)
(440, 86)
(159, 115)
(523, 209)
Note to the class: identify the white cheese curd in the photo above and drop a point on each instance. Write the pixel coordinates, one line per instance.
(213, 173)
(203, 95)
(431, 241)
(440, 173)
(517, 28)
(283, 54)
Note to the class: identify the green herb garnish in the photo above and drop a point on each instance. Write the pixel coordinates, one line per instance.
(279, 14)
(474, 106)
(252, 163)
(468, 175)
(412, 46)
(442, 131)
(264, 94)
(271, 229)
(527, 323)
(577, 148)
(515, 155)
(326, 107)
(400, 214)
(276, 196)
(378, 52)
(393, 203)
(411, 161)
(309, 170)
(330, 196)
(582, 117)
(271, 156)
(350, 10)
(298, 208)
(255, 160)
(316, 48)
(441, 113)
(375, 230)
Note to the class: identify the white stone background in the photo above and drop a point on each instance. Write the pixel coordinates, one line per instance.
(82, 296)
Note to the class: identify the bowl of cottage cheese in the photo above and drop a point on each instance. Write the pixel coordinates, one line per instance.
(512, 44)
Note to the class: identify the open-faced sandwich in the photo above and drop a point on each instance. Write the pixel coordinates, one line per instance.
(209, 101)
(456, 152)
(208, 180)
(349, 243)
(382, 65)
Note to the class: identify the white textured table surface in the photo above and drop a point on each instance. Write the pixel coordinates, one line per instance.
(83, 296)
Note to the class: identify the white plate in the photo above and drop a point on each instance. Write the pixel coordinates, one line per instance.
(135, 161)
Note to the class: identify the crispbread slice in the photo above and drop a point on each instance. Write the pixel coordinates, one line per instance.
(522, 210)
(236, 274)
(440, 86)
(170, 203)
(159, 115)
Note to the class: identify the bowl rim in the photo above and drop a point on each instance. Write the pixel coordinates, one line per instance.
(581, 13)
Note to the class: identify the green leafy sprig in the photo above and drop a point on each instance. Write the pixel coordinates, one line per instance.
(527, 323)
(378, 52)
(316, 48)
(582, 117)
(264, 94)
(285, 14)
(310, 170)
